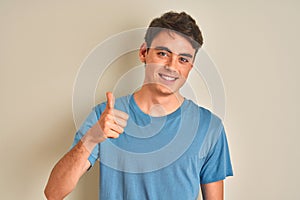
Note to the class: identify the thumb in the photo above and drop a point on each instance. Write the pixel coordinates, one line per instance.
(110, 100)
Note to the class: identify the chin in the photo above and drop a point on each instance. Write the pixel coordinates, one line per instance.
(166, 90)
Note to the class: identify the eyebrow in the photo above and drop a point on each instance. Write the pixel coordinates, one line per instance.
(168, 50)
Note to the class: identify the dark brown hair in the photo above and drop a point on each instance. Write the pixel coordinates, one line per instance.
(180, 23)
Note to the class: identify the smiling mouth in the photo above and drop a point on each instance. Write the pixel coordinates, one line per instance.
(167, 78)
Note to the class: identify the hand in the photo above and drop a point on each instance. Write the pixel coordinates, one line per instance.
(110, 125)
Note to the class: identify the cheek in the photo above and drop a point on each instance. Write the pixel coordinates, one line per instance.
(152, 66)
(150, 70)
(185, 73)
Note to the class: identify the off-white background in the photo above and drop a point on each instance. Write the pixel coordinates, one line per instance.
(255, 45)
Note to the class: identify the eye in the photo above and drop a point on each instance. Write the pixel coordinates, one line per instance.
(163, 54)
(184, 60)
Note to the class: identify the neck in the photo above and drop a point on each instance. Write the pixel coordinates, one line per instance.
(156, 104)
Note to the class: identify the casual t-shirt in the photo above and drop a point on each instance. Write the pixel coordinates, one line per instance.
(160, 157)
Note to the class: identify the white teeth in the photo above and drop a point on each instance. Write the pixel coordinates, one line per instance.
(168, 78)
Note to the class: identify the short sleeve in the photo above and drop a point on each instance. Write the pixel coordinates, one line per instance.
(217, 165)
(92, 119)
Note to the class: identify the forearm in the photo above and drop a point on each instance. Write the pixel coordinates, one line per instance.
(67, 172)
(70, 168)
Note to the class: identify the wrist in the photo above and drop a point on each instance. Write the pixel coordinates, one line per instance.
(88, 143)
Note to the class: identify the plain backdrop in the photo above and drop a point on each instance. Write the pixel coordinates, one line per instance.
(254, 44)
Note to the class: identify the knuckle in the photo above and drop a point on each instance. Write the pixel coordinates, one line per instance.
(107, 117)
(106, 130)
(107, 124)
(110, 111)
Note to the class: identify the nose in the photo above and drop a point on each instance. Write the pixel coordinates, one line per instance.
(171, 65)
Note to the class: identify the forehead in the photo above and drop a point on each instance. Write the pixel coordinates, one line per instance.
(173, 41)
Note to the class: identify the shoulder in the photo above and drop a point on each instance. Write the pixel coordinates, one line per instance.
(205, 114)
(211, 129)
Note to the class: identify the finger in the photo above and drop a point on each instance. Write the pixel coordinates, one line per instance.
(121, 122)
(116, 128)
(120, 114)
(110, 100)
(113, 134)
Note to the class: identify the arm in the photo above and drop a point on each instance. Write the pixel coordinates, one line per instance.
(74, 164)
(67, 172)
(213, 191)
(216, 168)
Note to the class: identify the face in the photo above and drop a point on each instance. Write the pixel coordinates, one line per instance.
(168, 61)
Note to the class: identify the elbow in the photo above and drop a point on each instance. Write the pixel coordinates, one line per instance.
(55, 192)
(47, 194)
(51, 194)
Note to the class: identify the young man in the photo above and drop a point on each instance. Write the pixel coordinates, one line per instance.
(153, 144)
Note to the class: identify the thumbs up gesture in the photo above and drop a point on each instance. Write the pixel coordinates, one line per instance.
(110, 125)
(112, 121)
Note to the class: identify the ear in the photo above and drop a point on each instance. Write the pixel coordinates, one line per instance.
(143, 52)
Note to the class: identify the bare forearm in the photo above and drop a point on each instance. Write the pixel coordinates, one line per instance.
(67, 172)
(70, 168)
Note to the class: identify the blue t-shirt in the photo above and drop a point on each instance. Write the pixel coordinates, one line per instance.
(160, 157)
